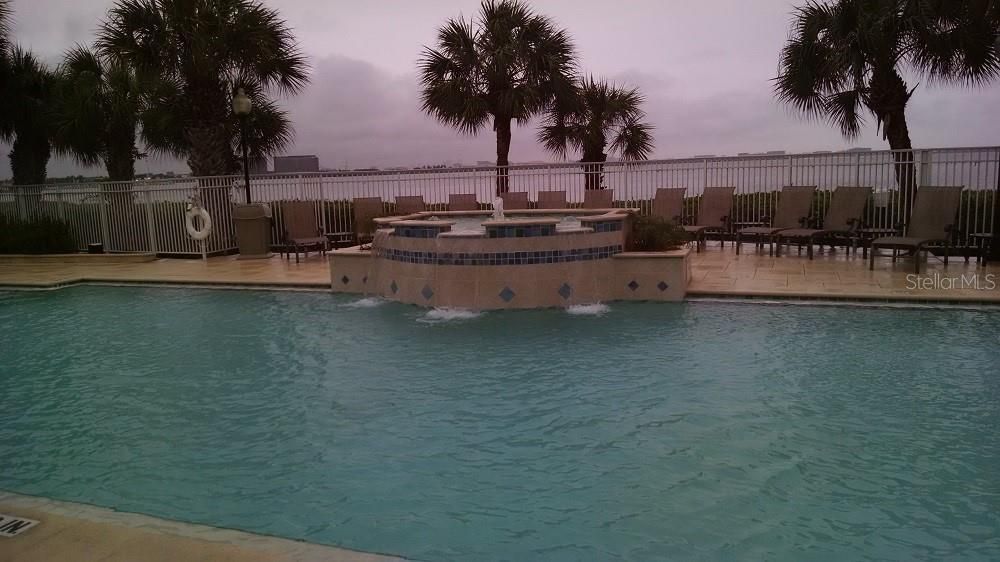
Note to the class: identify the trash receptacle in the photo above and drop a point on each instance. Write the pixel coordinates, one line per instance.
(253, 230)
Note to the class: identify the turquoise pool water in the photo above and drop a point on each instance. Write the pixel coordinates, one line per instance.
(653, 432)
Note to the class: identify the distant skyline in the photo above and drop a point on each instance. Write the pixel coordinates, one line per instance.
(705, 69)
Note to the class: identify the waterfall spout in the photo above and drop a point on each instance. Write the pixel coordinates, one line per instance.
(498, 209)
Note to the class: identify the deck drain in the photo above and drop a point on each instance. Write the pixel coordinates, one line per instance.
(11, 525)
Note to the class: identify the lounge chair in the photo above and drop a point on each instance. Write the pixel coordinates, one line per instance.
(713, 215)
(668, 203)
(598, 199)
(301, 229)
(841, 220)
(794, 203)
(931, 223)
(409, 204)
(366, 210)
(552, 200)
(462, 202)
(513, 200)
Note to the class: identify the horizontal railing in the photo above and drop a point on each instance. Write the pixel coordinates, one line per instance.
(148, 215)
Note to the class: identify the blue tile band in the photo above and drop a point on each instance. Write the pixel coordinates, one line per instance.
(499, 258)
(520, 231)
(419, 231)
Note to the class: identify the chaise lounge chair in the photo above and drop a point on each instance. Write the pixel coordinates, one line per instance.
(713, 215)
(794, 203)
(668, 203)
(366, 210)
(462, 202)
(514, 200)
(301, 229)
(841, 220)
(410, 204)
(552, 200)
(598, 199)
(931, 223)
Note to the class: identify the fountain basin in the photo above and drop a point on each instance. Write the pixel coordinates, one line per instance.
(529, 260)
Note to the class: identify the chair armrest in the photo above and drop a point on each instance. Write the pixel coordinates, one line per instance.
(766, 219)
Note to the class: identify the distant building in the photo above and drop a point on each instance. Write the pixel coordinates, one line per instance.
(258, 165)
(295, 164)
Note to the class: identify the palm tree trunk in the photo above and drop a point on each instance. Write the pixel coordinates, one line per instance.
(29, 157)
(502, 126)
(889, 98)
(593, 168)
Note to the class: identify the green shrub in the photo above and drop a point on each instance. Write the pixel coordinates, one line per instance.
(37, 236)
(656, 234)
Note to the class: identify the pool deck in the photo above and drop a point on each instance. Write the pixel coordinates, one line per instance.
(715, 273)
(85, 533)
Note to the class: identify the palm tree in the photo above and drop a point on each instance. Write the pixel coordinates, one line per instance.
(25, 120)
(96, 113)
(508, 65)
(198, 53)
(847, 57)
(597, 113)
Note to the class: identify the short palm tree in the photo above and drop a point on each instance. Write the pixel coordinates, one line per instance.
(197, 53)
(96, 112)
(597, 113)
(846, 58)
(509, 65)
(25, 120)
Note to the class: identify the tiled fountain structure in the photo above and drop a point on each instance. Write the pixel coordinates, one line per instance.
(534, 259)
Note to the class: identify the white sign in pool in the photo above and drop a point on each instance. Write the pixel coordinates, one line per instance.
(11, 525)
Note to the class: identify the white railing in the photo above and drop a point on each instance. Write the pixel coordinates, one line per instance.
(148, 216)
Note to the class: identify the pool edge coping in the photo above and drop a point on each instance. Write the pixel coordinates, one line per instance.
(691, 295)
(166, 527)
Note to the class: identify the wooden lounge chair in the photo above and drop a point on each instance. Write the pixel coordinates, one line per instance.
(842, 218)
(409, 204)
(794, 203)
(514, 200)
(598, 199)
(931, 223)
(552, 200)
(462, 202)
(713, 215)
(366, 210)
(668, 203)
(301, 229)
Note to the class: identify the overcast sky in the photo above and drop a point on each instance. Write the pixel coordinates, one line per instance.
(705, 69)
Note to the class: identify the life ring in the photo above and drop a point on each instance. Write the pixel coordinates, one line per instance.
(206, 223)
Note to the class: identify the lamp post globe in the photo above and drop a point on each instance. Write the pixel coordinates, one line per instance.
(242, 106)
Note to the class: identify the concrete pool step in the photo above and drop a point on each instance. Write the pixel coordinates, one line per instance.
(76, 259)
(86, 533)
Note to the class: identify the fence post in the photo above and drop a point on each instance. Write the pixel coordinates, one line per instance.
(150, 229)
(926, 168)
(103, 215)
(788, 180)
(857, 169)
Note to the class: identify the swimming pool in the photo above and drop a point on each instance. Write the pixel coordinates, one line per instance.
(650, 432)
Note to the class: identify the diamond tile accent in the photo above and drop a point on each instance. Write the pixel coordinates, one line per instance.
(632, 285)
(394, 288)
(662, 286)
(427, 292)
(565, 291)
(345, 280)
(506, 294)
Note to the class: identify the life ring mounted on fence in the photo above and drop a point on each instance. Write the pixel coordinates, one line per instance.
(193, 211)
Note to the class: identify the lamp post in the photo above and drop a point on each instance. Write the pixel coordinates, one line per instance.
(241, 108)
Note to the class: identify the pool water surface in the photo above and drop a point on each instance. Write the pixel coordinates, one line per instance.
(639, 432)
